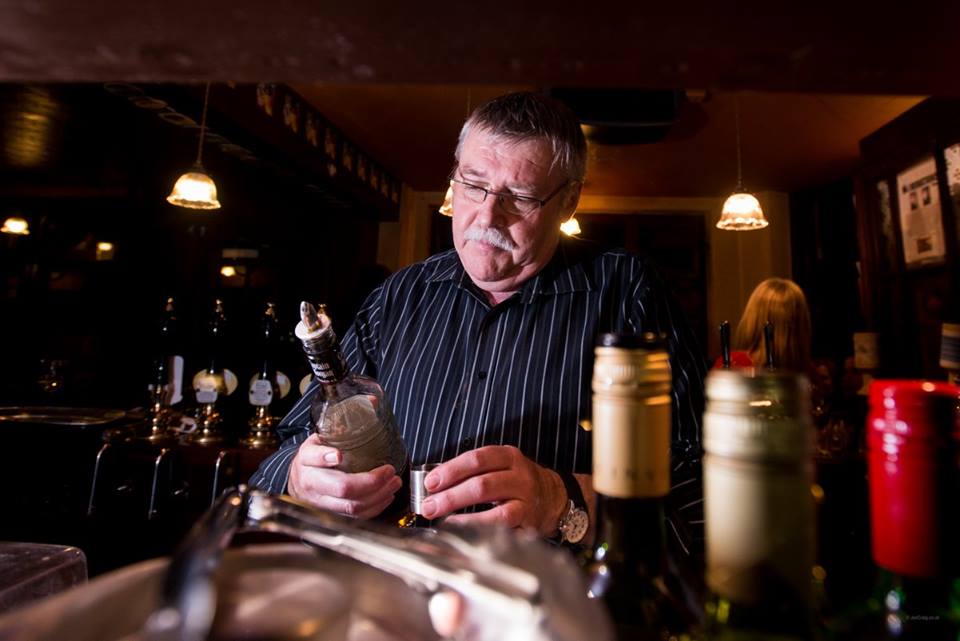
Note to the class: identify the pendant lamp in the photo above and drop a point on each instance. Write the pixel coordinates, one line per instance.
(447, 207)
(741, 210)
(571, 227)
(16, 225)
(195, 189)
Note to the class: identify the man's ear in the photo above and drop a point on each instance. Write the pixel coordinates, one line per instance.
(571, 199)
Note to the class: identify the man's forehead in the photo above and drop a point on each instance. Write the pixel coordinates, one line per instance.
(481, 146)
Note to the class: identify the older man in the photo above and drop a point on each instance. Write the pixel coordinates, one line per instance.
(486, 351)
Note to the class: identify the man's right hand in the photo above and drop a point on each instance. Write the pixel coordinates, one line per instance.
(363, 495)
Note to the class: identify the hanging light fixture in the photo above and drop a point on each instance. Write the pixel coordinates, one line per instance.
(16, 226)
(195, 189)
(571, 227)
(447, 207)
(741, 210)
(105, 250)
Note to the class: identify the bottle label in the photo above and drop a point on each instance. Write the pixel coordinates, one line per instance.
(207, 387)
(230, 382)
(305, 384)
(283, 384)
(204, 396)
(261, 393)
(759, 526)
(331, 370)
(631, 446)
(224, 382)
(175, 385)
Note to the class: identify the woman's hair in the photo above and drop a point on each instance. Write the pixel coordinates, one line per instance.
(781, 302)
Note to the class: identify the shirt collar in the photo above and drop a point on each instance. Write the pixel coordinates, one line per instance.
(446, 267)
(564, 274)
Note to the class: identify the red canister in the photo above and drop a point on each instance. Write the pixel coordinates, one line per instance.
(913, 432)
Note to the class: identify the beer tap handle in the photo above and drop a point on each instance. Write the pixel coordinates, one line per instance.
(725, 343)
(768, 345)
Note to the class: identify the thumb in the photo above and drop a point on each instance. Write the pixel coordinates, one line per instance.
(447, 611)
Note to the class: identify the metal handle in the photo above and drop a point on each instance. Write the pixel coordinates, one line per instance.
(514, 586)
(93, 484)
(216, 476)
(152, 511)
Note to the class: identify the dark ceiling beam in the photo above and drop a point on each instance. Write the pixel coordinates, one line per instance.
(878, 47)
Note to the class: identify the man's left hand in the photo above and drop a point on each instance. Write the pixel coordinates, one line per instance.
(525, 494)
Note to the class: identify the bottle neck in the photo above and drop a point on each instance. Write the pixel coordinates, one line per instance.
(268, 372)
(630, 531)
(326, 358)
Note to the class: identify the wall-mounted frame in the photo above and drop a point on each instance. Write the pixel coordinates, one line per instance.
(921, 216)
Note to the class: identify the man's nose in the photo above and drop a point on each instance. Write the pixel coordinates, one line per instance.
(488, 211)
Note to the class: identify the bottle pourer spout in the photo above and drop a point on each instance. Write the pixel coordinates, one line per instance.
(308, 314)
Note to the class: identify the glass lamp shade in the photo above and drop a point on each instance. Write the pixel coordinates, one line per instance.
(447, 207)
(194, 190)
(742, 212)
(571, 227)
(15, 225)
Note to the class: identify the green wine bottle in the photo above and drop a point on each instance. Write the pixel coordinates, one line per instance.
(757, 469)
(630, 568)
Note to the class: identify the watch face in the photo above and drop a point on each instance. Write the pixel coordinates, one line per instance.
(576, 525)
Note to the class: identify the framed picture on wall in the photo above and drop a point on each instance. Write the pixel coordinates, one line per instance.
(921, 218)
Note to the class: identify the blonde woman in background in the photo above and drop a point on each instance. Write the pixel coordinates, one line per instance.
(781, 302)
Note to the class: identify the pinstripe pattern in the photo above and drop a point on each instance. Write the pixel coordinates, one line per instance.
(461, 374)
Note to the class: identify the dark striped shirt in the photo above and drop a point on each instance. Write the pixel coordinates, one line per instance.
(461, 374)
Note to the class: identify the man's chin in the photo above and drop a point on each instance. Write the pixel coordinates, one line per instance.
(480, 273)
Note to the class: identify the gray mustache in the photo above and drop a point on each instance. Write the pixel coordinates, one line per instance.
(491, 236)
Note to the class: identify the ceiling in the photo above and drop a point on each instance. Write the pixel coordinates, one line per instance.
(790, 141)
(886, 46)
(395, 76)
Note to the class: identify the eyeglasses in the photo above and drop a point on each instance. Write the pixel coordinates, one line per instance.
(510, 203)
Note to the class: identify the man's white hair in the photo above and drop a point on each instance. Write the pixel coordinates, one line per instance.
(522, 116)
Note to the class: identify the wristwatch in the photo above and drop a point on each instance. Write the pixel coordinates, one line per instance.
(575, 521)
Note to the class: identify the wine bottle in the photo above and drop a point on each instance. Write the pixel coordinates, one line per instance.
(630, 568)
(267, 386)
(913, 467)
(349, 411)
(758, 506)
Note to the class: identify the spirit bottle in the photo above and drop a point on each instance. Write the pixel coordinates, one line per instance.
(349, 411)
